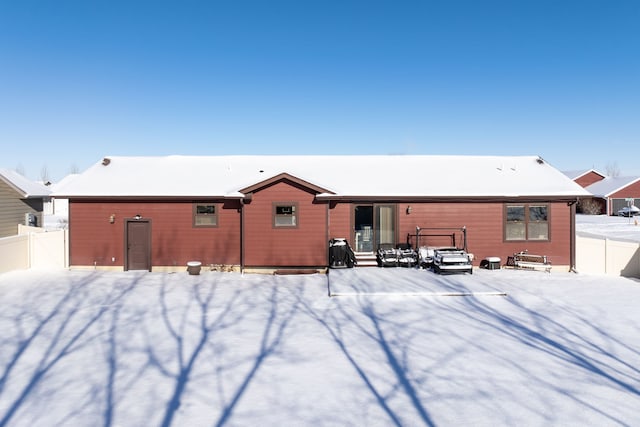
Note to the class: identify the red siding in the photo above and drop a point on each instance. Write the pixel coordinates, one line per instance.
(632, 190)
(95, 241)
(304, 245)
(175, 242)
(588, 179)
(484, 223)
(340, 221)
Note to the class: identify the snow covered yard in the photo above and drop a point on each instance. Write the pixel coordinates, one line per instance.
(612, 227)
(128, 349)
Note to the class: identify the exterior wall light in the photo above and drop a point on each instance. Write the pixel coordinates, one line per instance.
(112, 218)
(138, 216)
(408, 209)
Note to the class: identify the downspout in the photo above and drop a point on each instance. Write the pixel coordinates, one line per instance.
(243, 201)
(326, 235)
(572, 236)
(241, 209)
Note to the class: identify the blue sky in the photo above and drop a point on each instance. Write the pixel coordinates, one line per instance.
(83, 79)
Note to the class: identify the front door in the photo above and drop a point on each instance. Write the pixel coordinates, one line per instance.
(138, 245)
(373, 225)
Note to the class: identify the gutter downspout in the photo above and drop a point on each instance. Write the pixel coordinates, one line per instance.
(243, 201)
(241, 236)
(326, 234)
(572, 233)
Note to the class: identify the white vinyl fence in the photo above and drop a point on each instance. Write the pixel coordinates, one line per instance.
(34, 248)
(37, 248)
(598, 255)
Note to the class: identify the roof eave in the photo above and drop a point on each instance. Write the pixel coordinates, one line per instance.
(234, 196)
(450, 199)
(621, 187)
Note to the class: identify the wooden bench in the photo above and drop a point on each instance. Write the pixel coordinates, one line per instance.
(531, 261)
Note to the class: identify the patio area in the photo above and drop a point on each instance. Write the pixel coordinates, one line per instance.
(413, 281)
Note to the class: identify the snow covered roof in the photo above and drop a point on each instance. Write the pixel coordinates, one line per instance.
(24, 186)
(64, 181)
(340, 176)
(582, 172)
(610, 185)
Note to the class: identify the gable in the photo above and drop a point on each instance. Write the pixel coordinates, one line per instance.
(589, 178)
(284, 177)
(612, 185)
(24, 187)
(630, 191)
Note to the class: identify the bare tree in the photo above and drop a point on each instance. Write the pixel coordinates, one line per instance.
(73, 169)
(590, 207)
(20, 169)
(612, 169)
(44, 174)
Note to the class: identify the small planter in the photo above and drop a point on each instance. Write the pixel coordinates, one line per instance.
(491, 263)
(193, 267)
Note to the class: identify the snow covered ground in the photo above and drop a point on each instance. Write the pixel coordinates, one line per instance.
(613, 227)
(86, 348)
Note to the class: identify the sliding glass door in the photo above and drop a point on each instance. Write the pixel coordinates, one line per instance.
(373, 225)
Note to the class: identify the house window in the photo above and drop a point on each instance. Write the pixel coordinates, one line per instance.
(285, 215)
(205, 215)
(527, 222)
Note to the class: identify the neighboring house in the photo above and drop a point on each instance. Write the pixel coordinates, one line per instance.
(259, 212)
(56, 212)
(21, 202)
(616, 192)
(585, 178)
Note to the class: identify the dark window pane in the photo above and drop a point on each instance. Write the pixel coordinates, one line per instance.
(284, 210)
(515, 213)
(537, 213)
(205, 209)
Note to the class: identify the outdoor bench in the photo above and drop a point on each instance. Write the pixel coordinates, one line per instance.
(531, 261)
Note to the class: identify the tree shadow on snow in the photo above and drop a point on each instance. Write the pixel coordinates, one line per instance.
(570, 339)
(191, 347)
(448, 333)
(390, 380)
(43, 336)
(272, 339)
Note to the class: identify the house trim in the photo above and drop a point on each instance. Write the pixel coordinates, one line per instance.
(283, 177)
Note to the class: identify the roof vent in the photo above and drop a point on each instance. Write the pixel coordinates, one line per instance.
(106, 161)
(540, 160)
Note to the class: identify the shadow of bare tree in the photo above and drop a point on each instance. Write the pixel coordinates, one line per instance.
(272, 338)
(186, 355)
(60, 331)
(426, 352)
(220, 349)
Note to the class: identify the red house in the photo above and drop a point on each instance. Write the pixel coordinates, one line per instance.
(614, 193)
(277, 212)
(585, 177)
